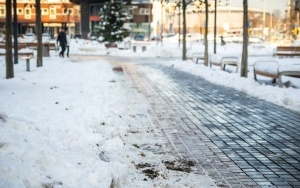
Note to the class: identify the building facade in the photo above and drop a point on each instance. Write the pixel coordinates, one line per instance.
(54, 13)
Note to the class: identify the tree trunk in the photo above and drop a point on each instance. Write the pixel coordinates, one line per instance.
(39, 59)
(184, 30)
(15, 32)
(205, 35)
(85, 16)
(244, 64)
(8, 39)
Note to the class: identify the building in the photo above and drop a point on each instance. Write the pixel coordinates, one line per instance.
(142, 17)
(54, 13)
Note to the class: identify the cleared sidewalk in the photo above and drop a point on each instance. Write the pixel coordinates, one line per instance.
(241, 141)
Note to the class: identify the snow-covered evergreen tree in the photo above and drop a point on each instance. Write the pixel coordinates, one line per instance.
(112, 21)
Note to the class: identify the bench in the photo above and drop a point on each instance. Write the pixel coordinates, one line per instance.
(288, 70)
(20, 53)
(20, 46)
(23, 54)
(287, 51)
(26, 55)
(197, 56)
(52, 46)
(222, 61)
(267, 68)
(33, 45)
(273, 70)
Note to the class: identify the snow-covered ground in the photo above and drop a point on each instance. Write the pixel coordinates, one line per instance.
(76, 123)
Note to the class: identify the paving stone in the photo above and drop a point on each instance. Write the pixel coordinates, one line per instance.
(236, 138)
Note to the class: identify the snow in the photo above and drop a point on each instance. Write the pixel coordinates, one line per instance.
(76, 123)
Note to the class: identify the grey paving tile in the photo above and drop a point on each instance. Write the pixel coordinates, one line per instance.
(238, 139)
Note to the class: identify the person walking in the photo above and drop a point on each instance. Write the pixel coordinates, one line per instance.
(68, 42)
(62, 40)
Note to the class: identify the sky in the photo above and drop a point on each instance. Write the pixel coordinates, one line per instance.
(77, 123)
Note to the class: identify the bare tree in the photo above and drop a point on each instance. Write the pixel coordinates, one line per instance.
(39, 59)
(8, 41)
(205, 34)
(183, 4)
(244, 65)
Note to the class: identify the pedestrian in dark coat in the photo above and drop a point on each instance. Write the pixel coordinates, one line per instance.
(62, 39)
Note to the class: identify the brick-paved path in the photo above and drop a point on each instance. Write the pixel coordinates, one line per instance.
(241, 141)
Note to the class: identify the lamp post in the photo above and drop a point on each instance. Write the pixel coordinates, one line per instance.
(264, 20)
(179, 15)
(149, 20)
(215, 29)
(162, 23)
(179, 25)
(229, 13)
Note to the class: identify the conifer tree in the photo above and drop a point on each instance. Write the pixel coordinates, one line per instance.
(112, 21)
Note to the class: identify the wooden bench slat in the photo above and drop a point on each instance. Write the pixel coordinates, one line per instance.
(287, 51)
(31, 45)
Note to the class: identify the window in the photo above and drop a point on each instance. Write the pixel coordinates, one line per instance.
(130, 11)
(144, 11)
(44, 11)
(27, 14)
(52, 13)
(20, 11)
(2, 11)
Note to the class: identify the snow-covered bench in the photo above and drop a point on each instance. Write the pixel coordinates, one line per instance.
(197, 56)
(223, 60)
(21, 52)
(287, 51)
(24, 53)
(288, 70)
(275, 70)
(267, 68)
(20, 46)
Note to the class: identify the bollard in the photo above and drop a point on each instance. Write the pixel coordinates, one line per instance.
(134, 48)
(143, 48)
(28, 65)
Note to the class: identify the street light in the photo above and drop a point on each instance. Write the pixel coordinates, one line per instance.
(215, 29)
(178, 5)
(162, 24)
(264, 20)
(179, 24)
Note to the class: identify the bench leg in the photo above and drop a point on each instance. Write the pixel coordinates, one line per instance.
(28, 65)
(280, 80)
(223, 67)
(273, 80)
